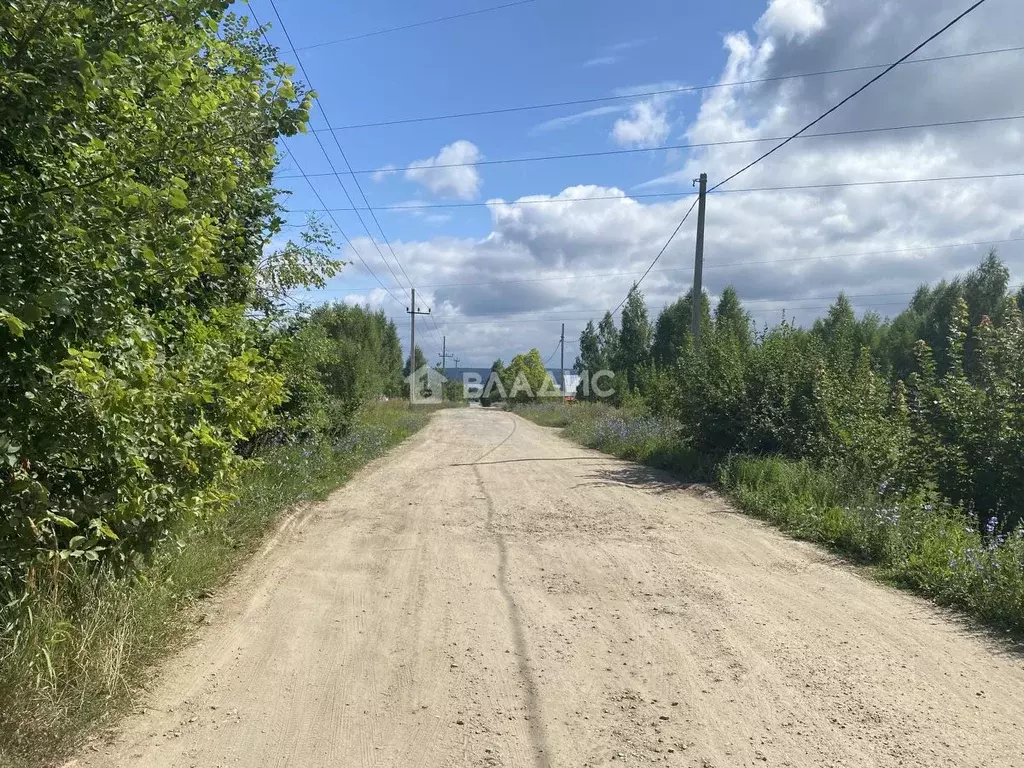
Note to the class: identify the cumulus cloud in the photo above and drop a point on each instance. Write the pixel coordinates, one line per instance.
(382, 173)
(792, 19)
(645, 126)
(549, 258)
(461, 181)
(659, 104)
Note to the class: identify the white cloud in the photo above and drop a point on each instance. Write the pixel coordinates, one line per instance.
(792, 19)
(612, 54)
(578, 117)
(461, 181)
(782, 250)
(646, 125)
(382, 173)
(658, 102)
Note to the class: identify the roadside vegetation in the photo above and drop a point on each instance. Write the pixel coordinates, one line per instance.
(89, 636)
(163, 400)
(897, 443)
(524, 380)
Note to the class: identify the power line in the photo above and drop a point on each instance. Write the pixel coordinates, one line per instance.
(494, 319)
(334, 170)
(560, 319)
(527, 312)
(570, 315)
(856, 93)
(660, 92)
(552, 355)
(417, 24)
(597, 275)
(779, 146)
(347, 239)
(847, 295)
(867, 253)
(656, 258)
(355, 179)
(324, 205)
(653, 195)
(883, 182)
(670, 147)
(549, 200)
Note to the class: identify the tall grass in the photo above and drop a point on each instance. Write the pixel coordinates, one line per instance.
(633, 435)
(916, 542)
(920, 544)
(74, 653)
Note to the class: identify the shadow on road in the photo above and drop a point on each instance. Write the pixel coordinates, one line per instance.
(553, 458)
(640, 477)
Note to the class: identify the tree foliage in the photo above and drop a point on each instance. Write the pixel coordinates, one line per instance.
(970, 429)
(929, 402)
(334, 360)
(137, 146)
(525, 378)
(633, 352)
(673, 326)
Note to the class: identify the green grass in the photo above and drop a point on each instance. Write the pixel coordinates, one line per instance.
(553, 414)
(628, 435)
(85, 642)
(928, 547)
(914, 542)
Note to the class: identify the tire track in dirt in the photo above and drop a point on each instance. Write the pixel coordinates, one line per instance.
(491, 595)
(538, 737)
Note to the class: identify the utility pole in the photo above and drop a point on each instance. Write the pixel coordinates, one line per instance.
(697, 305)
(444, 354)
(562, 343)
(413, 311)
(456, 363)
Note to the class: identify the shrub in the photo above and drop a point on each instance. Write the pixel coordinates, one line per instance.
(135, 199)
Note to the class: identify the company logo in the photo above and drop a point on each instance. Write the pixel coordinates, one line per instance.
(426, 386)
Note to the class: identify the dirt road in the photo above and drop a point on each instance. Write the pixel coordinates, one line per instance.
(493, 595)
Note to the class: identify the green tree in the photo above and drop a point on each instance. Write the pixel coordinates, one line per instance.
(672, 328)
(731, 319)
(334, 361)
(838, 333)
(137, 147)
(525, 378)
(969, 434)
(495, 383)
(932, 310)
(607, 341)
(634, 343)
(421, 360)
(589, 358)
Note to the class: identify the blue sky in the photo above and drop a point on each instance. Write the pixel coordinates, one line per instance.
(554, 50)
(542, 52)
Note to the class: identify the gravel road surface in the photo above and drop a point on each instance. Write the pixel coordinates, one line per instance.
(491, 594)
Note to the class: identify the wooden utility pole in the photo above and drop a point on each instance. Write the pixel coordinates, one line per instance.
(413, 311)
(444, 354)
(697, 305)
(563, 362)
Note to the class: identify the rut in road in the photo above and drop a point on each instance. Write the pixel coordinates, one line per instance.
(493, 595)
(538, 736)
